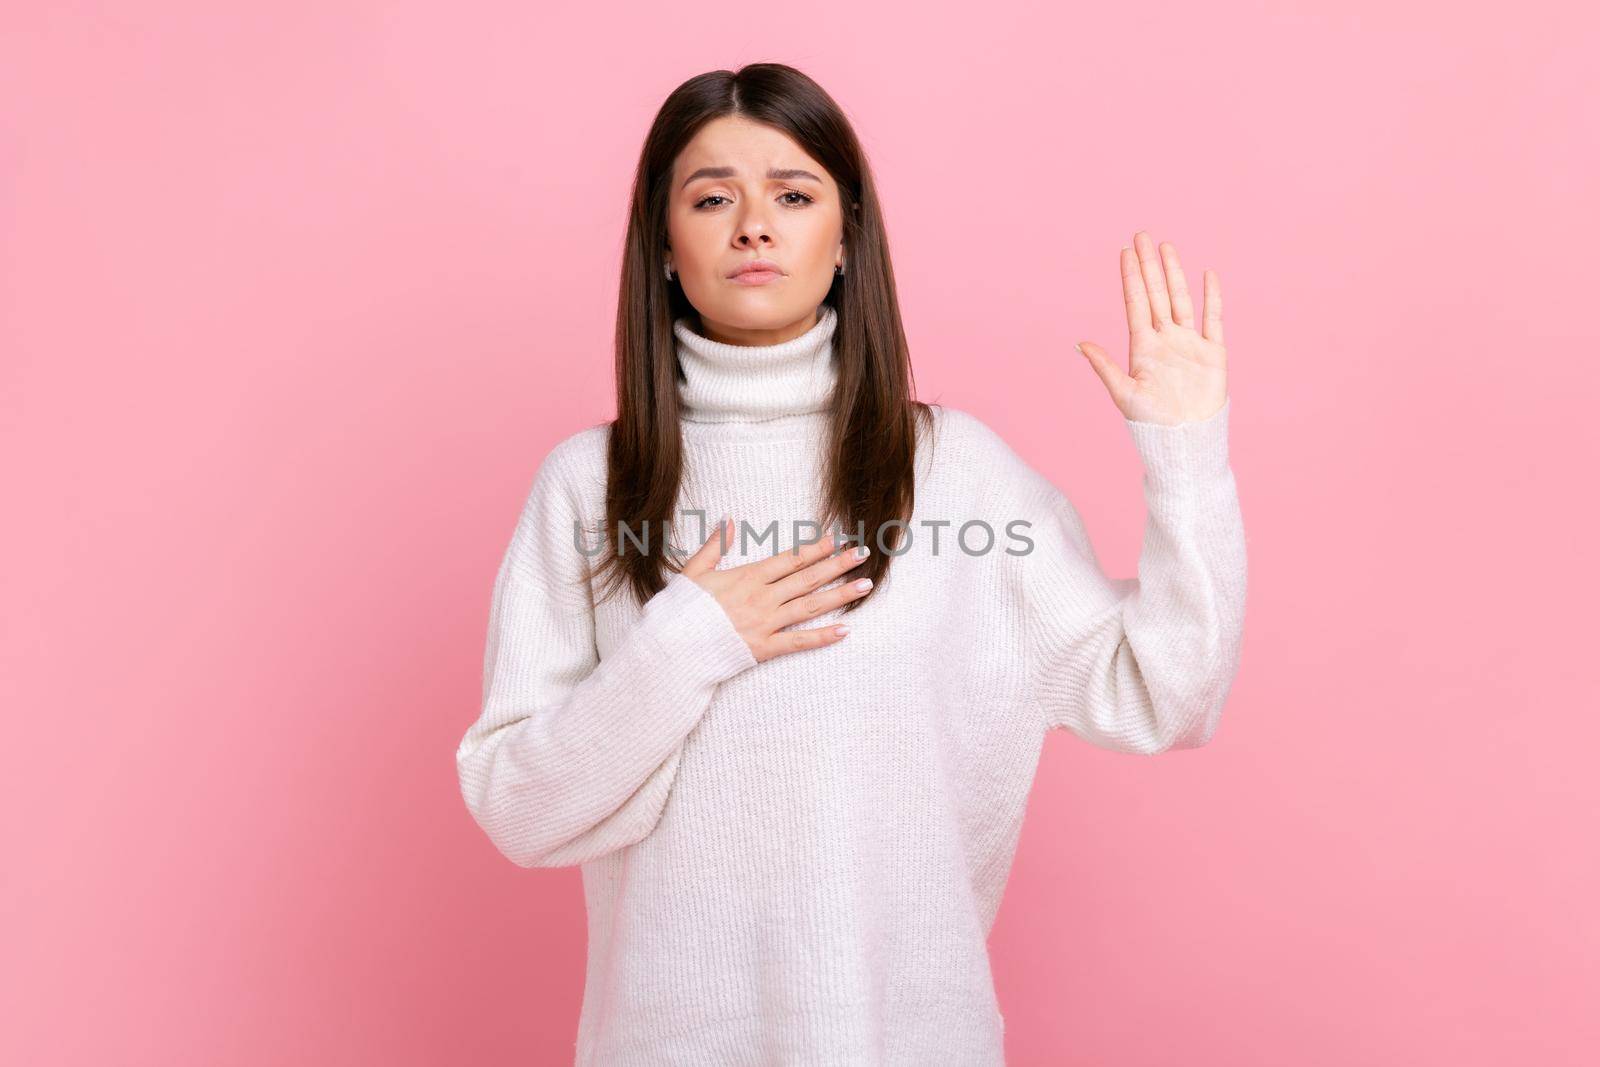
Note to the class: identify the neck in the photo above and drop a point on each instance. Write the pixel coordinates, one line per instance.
(755, 383)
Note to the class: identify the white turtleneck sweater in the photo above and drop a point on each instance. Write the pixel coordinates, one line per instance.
(799, 860)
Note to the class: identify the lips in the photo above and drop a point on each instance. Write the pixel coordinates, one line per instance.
(756, 266)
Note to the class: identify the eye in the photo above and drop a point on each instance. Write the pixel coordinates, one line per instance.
(701, 204)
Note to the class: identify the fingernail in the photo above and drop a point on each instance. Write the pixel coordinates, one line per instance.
(841, 630)
(864, 584)
(861, 551)
(1079, 348)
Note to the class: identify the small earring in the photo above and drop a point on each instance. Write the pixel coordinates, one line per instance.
(839, 269)
(668, 267)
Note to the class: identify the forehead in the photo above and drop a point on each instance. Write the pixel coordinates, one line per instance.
(751, 147)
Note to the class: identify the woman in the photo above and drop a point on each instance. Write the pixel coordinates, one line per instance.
(793, 841)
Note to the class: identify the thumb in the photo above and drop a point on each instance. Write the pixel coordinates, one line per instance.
(1109, 373)
(710, 553)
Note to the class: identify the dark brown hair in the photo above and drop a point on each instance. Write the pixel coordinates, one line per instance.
(874, 417)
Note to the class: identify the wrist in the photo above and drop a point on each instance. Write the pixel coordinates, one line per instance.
(1185, 453)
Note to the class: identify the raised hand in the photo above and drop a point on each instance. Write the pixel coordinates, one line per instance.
(1175, 373)
(763, 597)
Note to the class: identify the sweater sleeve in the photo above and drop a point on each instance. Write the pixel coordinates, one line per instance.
(1145, 664)
(571, 756)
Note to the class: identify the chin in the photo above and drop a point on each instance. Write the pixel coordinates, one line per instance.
(783, 296)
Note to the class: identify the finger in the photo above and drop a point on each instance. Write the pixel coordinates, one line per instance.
(786, 641)
(789, 560)
(819, 573)
(1133, 294)
(1154, 279)
(710, 554)
(1212, 327)
(811, 605)
(1115, 379)
(1177, 286)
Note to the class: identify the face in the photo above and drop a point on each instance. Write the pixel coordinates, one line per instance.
(743, 191)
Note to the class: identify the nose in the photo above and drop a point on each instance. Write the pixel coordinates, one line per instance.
(753, 228)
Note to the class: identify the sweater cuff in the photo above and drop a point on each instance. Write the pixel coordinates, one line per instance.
(688, 624)
(1186, 454)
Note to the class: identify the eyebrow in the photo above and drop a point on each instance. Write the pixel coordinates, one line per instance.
(775, 174)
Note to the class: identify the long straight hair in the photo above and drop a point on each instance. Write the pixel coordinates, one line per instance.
(871, 462)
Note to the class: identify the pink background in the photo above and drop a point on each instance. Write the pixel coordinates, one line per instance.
(293, 300)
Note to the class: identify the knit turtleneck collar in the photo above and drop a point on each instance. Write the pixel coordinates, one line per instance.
(754, 383)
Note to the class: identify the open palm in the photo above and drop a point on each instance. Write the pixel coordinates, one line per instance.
(1175, 373)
